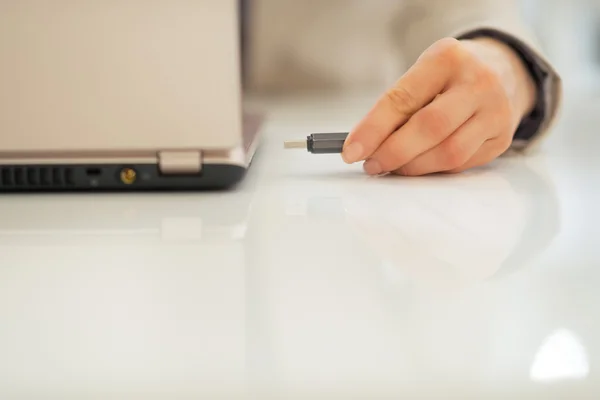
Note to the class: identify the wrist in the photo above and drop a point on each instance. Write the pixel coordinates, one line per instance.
(516, 78)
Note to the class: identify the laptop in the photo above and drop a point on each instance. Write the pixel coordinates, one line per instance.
(122, 95)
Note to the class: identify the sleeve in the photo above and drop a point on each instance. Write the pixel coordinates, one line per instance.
(423, 22)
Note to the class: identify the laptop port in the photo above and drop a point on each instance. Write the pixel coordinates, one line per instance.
(93, 172)
(128, 176)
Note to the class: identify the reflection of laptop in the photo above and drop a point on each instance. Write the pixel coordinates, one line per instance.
(124, 220)
(164, 274)
(131, 94)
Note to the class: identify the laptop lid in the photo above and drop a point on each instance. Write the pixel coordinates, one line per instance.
(119, 76)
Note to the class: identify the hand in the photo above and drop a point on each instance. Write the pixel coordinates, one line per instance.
(456, 108)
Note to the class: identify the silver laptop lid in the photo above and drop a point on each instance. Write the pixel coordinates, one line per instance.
(127, 75)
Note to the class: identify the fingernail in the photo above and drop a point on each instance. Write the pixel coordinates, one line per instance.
(353, 153)
(372, 167)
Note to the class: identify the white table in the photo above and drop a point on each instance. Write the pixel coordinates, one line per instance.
(313, 279)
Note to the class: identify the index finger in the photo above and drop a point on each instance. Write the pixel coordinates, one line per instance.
(427, 78)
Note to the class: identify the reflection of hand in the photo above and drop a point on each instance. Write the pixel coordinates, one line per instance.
(456, 108)
(449, 240)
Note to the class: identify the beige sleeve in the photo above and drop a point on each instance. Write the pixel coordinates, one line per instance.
(422, 22)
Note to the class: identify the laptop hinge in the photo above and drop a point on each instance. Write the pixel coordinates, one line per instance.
(180, 162)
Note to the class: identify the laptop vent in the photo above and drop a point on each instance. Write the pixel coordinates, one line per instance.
(35, 177)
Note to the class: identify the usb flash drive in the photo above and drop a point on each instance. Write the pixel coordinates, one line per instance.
(320, 143)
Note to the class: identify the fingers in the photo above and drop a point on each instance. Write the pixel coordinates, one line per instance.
(429, 127)
(427, 78)
(488, 152)
(453, 110)
(454, 152)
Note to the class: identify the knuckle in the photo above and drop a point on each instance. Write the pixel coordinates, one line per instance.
(454, 155)
(503, 109)
(503, 143)
(402, 99)
(434, 123)
(502, 117)
(487, 85)
(507, 113)
(487, 80)
(451, 51)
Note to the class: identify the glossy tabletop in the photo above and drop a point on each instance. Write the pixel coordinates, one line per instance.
(313, 280)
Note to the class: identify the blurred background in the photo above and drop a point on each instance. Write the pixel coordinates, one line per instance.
(347, 44)
(569, 31)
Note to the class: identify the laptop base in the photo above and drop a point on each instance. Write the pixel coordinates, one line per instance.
(110, 177)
